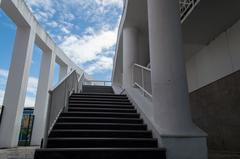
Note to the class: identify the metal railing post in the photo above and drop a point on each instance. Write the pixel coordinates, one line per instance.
(142, 80)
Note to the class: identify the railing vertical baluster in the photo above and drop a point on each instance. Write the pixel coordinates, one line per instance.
(142, 80)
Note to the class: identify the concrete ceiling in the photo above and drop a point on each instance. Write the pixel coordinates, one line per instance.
(207, 21)
(137, 15)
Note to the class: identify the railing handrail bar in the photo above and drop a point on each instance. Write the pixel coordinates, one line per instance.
(61, 81)
(81, 76)
(48, 125)
(143, 67)
(143, 89)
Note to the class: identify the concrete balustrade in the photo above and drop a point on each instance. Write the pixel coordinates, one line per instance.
(29, 32)
(63, 70)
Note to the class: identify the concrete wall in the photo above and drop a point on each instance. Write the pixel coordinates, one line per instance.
(219, 58)
(214, 85)
(215, 109)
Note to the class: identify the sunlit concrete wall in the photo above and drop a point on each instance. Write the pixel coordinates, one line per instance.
(218, 59)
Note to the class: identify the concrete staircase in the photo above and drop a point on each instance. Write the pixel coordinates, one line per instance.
(100, 125)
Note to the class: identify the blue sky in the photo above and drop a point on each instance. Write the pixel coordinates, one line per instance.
(86, 30)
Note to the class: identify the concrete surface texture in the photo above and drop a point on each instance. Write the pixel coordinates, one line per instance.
(215, 109)
(18, 153)
(216, 60)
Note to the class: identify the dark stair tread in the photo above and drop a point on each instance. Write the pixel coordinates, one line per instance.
(120, 131)
(100, 153)
(101, 105)
(102, 149)
(102, 126)
(99, 99)
(101, 94)
(101, 110)
(101, 139)
(97, 96)
(101, 114)
(91, 86)
(101, 142)
(101, 133)
(100, 102)
(100, 119)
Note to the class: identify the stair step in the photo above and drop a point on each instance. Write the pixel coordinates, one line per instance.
(99, 102)
(100, 153)
(102, 106)
(99, 99)
(94, 91)
(101, 114)
(99, 126)
(80, 96)
(99, 94)
(100, 120)
(101, 142)
(100, 133)
(71, 109)
(91, 86)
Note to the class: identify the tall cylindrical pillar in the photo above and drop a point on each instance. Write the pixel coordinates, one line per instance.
(130, 51)
(169, 84)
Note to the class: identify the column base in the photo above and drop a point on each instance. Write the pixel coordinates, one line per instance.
(185, 147)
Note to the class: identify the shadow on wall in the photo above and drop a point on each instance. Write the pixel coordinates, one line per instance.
(216, 110)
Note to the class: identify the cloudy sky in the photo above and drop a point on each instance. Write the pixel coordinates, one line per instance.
(86, 30)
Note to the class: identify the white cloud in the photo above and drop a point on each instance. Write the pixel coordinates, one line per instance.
(65, 30)
(101, 64)
(31, 88)
(119, 3)
(86, 30)
(3, 73)
(53, 24)
(86, 48)
(29, 101)
(1, 96)
(32, 85)
(46, 4)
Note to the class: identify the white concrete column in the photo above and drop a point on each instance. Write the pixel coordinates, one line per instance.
(41, 104)
(16, 87)
(130, 51)
(63, 70)
(169, 85)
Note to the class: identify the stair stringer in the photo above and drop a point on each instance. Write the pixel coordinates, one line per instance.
(142, 102)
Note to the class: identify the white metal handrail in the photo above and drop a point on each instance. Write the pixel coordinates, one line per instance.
(141, 77)
(97, 83)
(58, 99)
(186, 7)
